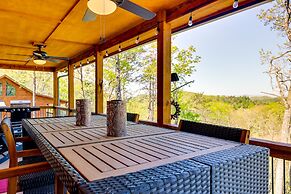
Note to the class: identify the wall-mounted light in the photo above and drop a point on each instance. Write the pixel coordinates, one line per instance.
(119, 48)
(80, 64)
(157, 30)
(137, 40)
(106, 54)
(190, 21)
(235, 4)
(88, 61)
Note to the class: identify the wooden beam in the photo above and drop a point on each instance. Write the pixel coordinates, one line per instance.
(185, 8)
(98, 82)
(83, 55)
(163, 71)
(133, 32)
(71, 91)
(55, 92)
(27, 67)
(131, 46)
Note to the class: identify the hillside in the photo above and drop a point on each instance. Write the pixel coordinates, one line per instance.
(261, 114)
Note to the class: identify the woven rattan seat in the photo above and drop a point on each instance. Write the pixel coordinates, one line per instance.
(133, 117)
(222, 132)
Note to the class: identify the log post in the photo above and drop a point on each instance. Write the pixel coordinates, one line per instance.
(56, 92)
(98, 82)
(71, 91)
(163, 70)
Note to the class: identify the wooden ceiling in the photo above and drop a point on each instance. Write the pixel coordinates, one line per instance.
(59, 25)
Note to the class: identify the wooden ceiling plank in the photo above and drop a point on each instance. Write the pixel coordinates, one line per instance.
(1, 59)
(30, 16)
(65, 16)
(71, 42)
(16, 46)
(27, 68)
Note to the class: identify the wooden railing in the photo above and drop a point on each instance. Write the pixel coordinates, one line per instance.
(277, 151)
(53, 111)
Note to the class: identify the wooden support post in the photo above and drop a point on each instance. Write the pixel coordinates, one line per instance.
(98, 82)
(71, 91)
(163, 70)
(56, 92)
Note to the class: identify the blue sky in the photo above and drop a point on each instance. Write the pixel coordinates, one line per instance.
(229, 48)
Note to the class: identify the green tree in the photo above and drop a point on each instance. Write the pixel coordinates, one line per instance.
(278, 17)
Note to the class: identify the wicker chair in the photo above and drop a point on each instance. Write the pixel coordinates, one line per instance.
(222, 132)
(133, 117)
(31, 176)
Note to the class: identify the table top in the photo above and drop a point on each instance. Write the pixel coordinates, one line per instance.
(95, 156)
(119, 157)
(80, 136)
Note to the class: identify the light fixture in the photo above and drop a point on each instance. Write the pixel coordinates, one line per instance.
(88, 61)
(157, 30)
(119, 48)
(106, 54)
(190, 22)
(137, 40)
(235, 4)
(174, 77)
(80, 64)
(39, 61)
(102, 7)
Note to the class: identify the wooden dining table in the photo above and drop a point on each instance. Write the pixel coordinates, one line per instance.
(148, 160)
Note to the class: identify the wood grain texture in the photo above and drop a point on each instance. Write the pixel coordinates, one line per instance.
(65, 138)
(122, 156)
(163, 70)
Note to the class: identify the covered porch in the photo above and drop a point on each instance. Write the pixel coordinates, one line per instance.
(59, 29)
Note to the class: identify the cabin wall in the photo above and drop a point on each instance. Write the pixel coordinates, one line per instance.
(23, 94)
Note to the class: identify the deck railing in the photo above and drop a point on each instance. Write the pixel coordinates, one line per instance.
(53, 111)
(278, 151)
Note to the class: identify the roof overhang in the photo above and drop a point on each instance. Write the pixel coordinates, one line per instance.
(59, 25)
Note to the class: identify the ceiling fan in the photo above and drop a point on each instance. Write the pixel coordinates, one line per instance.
(40, 57)
(105, 7)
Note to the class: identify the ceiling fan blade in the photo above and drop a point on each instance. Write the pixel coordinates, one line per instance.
(58, 58)
(89, 16)
(53, 60)
(138, 10)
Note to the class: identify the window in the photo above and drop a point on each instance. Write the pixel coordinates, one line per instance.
(10, 90)
(0, 89)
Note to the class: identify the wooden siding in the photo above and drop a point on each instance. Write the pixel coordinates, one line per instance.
(23, 94)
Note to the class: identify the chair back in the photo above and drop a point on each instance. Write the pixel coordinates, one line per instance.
(133, 117)
(222, 132)
(6, 128)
